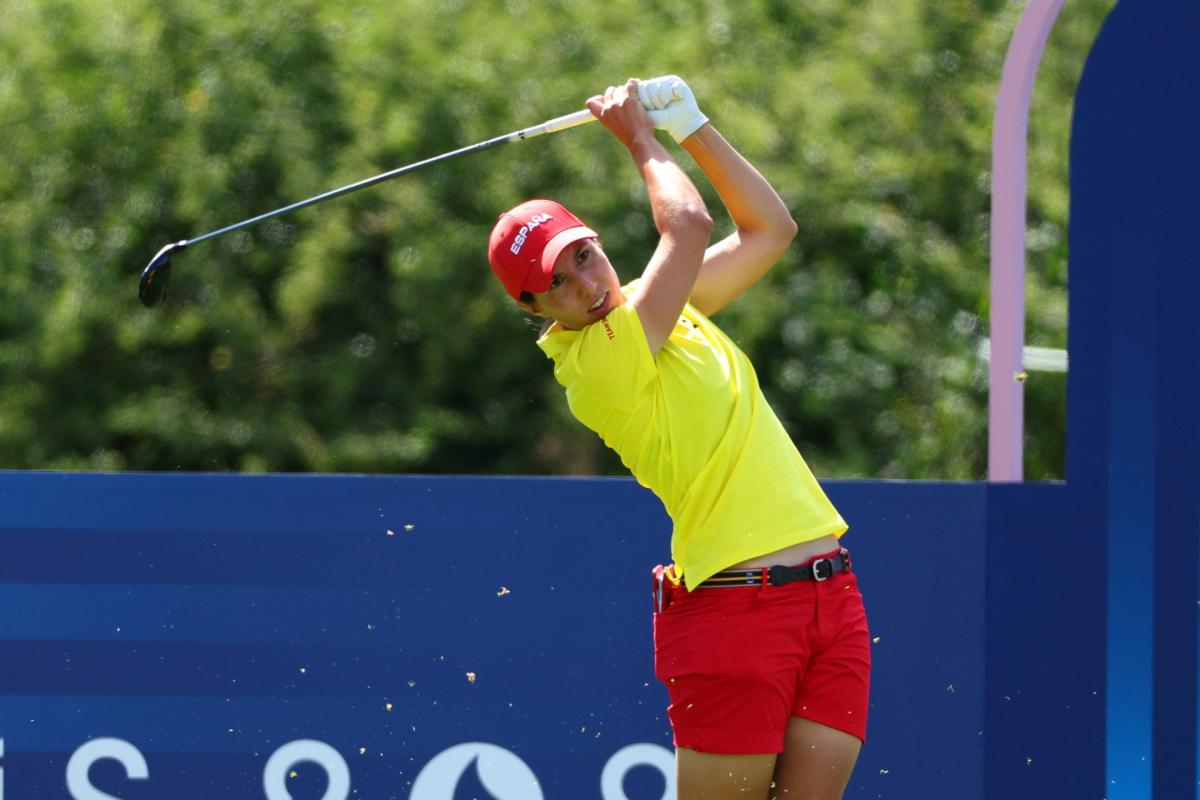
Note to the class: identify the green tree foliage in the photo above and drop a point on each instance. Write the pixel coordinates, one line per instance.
(367, 335)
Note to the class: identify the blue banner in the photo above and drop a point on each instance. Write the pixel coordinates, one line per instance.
(424, 638)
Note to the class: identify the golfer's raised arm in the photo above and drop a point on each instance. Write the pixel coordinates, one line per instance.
(765, 227)
(683, 223)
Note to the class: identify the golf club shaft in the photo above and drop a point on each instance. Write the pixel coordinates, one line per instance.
(549, 126)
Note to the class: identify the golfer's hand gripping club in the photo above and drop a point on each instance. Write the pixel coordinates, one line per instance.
(671, 105)
(667, 99)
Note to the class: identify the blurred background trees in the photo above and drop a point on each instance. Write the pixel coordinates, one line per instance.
(367, 334)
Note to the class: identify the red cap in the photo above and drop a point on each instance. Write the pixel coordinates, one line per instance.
(526, 242)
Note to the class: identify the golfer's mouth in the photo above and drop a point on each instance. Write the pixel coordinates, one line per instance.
(599, 304)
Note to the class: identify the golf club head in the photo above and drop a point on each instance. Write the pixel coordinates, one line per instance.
(152, 288)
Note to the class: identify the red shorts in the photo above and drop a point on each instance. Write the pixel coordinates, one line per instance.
(739, 662)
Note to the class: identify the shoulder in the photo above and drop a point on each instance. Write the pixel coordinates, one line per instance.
(619, 332)
(610, 357)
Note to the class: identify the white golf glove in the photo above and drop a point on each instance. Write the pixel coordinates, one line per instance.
(671, 106)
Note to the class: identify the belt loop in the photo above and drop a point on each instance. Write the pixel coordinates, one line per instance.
(764, 581)
(657, 588)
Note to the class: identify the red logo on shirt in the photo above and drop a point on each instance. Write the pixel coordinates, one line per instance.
(608, 329)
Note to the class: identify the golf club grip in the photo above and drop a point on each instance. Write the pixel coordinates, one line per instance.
(558, 124)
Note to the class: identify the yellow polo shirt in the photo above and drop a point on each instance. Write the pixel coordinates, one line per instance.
(692, 425)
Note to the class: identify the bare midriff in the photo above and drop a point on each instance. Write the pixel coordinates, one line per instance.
(793, 554)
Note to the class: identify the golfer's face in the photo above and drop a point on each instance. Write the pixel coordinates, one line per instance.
(584, 287)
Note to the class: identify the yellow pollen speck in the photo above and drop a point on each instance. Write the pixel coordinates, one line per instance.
(293, 774)
(362, 750)
(391, 532)
(875, 640)
(409, 526)
(388, 706)
(503, 591)
(470, 677)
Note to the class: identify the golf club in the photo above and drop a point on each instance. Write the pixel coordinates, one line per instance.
(152, 288)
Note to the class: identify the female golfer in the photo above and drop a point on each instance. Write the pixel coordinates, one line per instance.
(760, 634)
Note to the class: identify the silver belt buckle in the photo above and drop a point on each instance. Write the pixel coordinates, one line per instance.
(817, 572)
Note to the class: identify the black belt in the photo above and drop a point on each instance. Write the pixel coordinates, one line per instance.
(820, 570)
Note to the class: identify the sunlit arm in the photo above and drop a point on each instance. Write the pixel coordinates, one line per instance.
(684, 228)
(765, 227)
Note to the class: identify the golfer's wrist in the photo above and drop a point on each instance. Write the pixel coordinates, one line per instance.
(692, 135)
(643, 145)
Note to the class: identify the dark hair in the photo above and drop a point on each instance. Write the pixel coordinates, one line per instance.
(542, 324)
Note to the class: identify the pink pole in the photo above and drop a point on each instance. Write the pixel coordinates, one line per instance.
(1006, 394)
